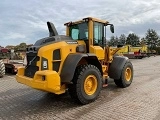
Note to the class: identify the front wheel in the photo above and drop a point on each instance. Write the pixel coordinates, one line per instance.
(126, 76)
(87, 84)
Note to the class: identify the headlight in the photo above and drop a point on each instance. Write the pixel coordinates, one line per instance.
(45, 64)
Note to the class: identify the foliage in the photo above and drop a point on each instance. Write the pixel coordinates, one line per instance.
(122, 39)
(157, 50)
(152, 38)
(20, 47)
(143, 41)
(114, 41)
(133, 39)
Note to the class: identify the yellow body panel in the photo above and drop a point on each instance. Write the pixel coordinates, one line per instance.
(135, 49)
(81, 42)
(128, 48)
(124, 49)
(65, 49)
(99, 51)
(144, 48)
(50, 83)
(53, 81)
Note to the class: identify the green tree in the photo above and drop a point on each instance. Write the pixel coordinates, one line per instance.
(114, 41)
(143, 41)
(20, 47)
(111, 41)
(152, 38)
(122, 39)
(133, 39)
(23, 44)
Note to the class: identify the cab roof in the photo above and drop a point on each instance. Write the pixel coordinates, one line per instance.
(87, 18)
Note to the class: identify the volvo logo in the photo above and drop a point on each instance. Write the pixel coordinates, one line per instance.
(72, 42)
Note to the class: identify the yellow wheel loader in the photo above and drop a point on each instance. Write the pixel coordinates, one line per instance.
(79, 62)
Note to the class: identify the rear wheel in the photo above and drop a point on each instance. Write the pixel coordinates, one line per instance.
(2, 69)
(126, 76)
(87, 84)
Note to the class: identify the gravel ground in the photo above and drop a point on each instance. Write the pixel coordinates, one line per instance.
(140, 101)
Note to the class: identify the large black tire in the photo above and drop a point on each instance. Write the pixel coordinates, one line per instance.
(87, 84)
(2, 69)
(126, 76)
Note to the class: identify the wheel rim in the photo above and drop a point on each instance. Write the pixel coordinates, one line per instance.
(90, 85)
(128, 74)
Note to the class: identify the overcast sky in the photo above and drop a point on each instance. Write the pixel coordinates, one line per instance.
(25, 20)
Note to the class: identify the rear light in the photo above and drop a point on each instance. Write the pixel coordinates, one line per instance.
(25, 61)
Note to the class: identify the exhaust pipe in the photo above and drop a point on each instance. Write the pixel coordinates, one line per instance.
(52, 29)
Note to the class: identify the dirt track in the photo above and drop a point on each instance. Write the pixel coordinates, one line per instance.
(139, 101)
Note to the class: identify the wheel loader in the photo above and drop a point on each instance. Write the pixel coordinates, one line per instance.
(79, 62)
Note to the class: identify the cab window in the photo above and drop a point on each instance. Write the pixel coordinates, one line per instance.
(98, 34)
(79, 31)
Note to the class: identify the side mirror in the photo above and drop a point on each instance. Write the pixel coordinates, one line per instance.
(112, 28)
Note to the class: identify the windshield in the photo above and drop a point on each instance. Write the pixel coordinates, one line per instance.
(79, 31)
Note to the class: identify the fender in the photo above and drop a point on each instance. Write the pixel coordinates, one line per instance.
(71, 62)
(116, 67)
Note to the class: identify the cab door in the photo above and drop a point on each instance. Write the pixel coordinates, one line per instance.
(98, 40)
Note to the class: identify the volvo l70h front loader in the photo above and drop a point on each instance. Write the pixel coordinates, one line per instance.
(79, 61)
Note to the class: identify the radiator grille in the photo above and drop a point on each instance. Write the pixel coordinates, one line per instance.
(31, 67)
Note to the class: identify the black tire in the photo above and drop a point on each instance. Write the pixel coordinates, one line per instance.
(77, 89)
(124, 82)
(2, 69)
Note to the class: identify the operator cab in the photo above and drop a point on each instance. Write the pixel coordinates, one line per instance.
(92, 31)
(80, 32)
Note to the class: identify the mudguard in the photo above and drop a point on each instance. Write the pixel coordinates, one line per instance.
(116, 67)
(71, 63)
